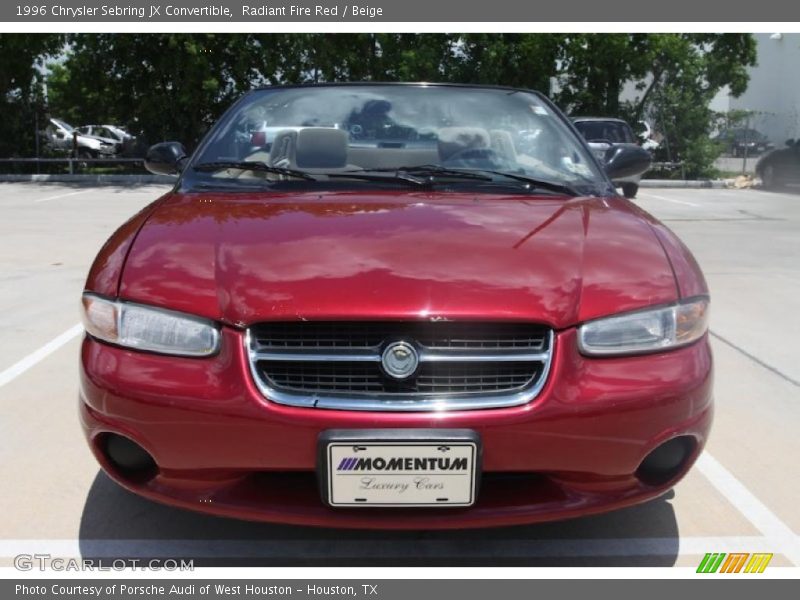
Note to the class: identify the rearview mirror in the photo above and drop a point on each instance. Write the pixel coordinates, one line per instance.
(166, 158)
(624, 161)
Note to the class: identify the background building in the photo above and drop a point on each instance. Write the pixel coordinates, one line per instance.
(773, 94)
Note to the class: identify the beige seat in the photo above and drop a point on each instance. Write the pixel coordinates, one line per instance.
(502, 143)
(310, 149)
(392, 158)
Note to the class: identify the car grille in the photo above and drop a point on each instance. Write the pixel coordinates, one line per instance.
(462, 365)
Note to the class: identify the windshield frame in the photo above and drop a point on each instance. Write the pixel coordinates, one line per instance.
(623, 126)
(189, 179)
(63, 125)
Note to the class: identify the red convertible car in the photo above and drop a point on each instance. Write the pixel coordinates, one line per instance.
(395, 306)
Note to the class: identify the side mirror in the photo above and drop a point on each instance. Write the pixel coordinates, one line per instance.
(790, 143)
(624, 161)
(166, 158)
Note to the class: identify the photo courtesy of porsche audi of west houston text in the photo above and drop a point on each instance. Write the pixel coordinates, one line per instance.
(150, 590)
(395, 306)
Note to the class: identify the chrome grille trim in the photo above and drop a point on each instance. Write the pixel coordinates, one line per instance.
(314, 356)
(398, 401)
(455, 356)
(424, 356)
(364, 335)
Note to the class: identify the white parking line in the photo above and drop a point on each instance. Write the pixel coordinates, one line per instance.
(56, 197)
(387, 548)
(39, 355)
(785, 540)
(657, 197)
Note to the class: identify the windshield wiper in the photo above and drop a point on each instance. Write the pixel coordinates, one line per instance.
(253, 165)
(553, 186)
(428, 171)
(365, 175)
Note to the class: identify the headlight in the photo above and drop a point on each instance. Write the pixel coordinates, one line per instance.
(645, 331)
(148, 328)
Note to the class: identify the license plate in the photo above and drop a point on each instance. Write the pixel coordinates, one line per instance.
(396, 472)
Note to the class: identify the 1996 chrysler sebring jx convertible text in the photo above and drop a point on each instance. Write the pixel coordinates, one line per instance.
(395, 306)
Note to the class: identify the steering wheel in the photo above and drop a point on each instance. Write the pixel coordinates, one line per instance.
(356, 131)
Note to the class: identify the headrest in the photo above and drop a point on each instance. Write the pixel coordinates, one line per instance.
(321, 148)
(503, 144)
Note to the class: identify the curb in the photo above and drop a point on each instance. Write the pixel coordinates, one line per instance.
(681, 183)
(95, 179)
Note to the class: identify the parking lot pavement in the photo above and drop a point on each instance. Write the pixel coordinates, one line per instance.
(740, 498)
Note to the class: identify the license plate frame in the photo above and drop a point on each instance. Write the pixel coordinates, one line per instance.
(399, 444)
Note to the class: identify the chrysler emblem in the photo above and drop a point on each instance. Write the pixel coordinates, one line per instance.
(399, 360)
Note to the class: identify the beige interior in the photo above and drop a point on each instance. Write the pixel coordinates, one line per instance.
(324, 149)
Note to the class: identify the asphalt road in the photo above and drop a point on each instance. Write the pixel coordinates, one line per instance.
(741, 497)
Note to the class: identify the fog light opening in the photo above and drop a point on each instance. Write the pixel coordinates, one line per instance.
(666, 462)
(128, 458)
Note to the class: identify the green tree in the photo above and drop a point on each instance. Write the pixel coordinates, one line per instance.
(173, 86)
(519, 60)
(21, 89)
(166, 86)
(593, 68)
(318, 57)
(675, 76)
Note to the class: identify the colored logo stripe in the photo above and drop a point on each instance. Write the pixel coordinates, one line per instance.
(711, 562)
(758, 563)
(347, 464)
(734, 562)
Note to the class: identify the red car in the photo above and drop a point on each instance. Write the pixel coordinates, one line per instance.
(395, 306)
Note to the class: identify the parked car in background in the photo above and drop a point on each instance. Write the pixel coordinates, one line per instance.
(780, 167)
(60, 136)
(390, 313)
(129, 145)
(605, 136)
(103, 133)
(120, 132)
(740, 141)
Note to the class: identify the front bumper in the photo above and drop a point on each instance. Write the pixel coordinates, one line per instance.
(222, 448)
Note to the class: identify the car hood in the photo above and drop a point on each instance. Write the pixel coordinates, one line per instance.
(242, 258)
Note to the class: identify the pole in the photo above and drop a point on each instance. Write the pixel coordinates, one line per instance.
(746, 139)
(36, 134)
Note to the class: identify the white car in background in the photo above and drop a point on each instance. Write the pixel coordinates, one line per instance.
(61, 136)
(106, 132)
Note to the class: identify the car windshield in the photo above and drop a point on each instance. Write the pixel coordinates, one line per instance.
(606, 131)
(750, 135)
(356, 132)
(63, 125)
